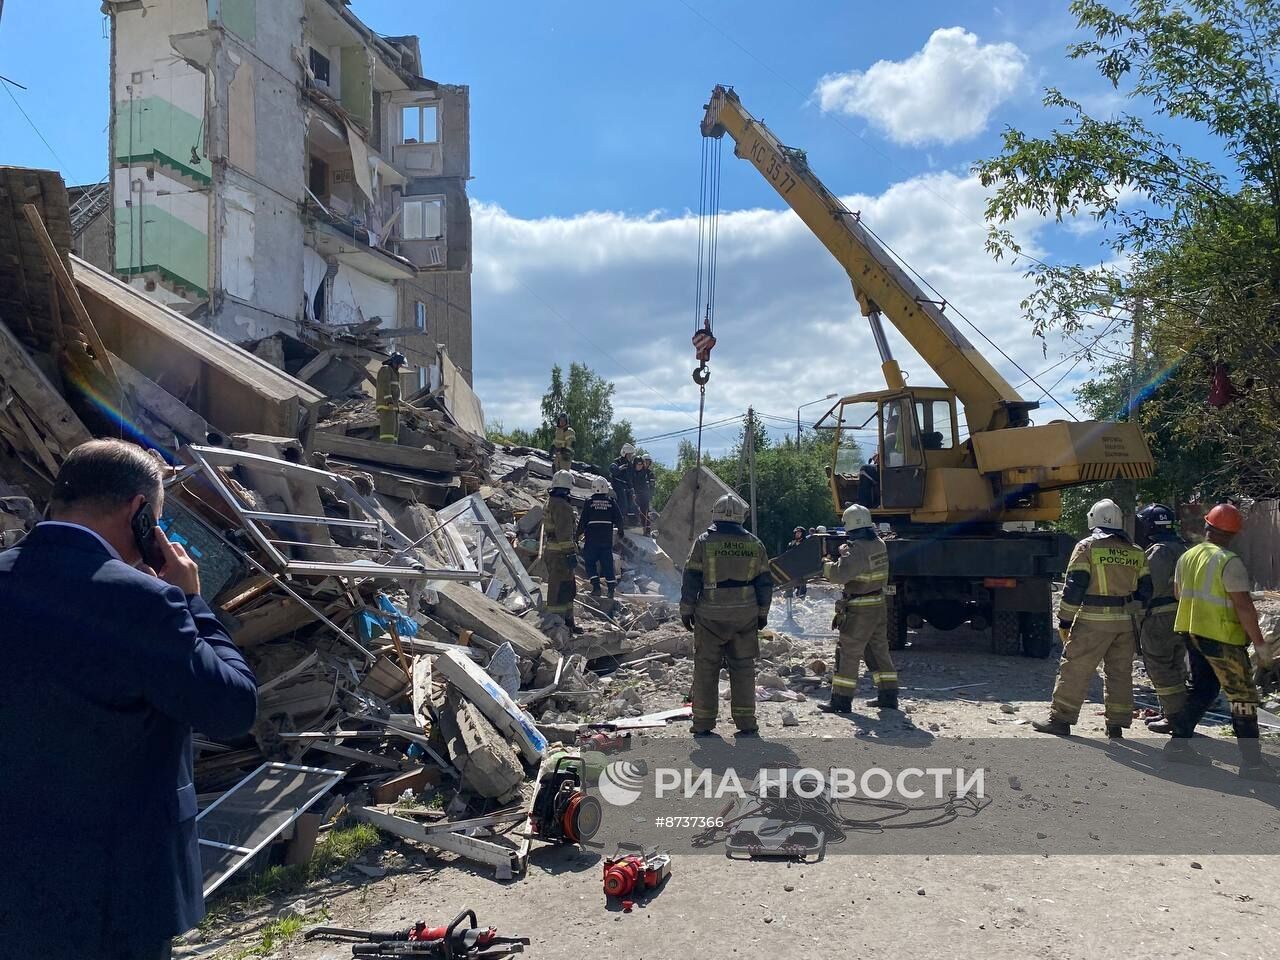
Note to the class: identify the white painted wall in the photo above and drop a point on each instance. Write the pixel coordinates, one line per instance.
(357, 297)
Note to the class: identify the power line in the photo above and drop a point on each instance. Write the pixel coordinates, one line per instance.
(7, 83)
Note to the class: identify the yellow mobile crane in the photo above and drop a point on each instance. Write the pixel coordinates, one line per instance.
(947, 499)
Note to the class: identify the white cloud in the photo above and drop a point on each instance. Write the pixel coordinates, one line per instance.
(943, 93)
(617, 293)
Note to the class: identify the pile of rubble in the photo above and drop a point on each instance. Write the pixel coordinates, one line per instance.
(387, 595)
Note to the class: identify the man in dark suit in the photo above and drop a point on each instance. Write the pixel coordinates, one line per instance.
(107, 667)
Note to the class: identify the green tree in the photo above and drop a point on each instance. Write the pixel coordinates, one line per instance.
(587, 398)
(1193, 238)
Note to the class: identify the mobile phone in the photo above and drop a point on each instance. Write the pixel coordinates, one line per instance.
(144, 535)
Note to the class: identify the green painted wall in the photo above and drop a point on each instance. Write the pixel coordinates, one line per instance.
(178, 251)
(357, 84)
(241, 18)
(150, 128)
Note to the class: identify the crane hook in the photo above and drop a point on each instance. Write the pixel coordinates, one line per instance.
(703, 341)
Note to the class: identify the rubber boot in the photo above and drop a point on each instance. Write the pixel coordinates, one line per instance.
(612, 587)
(705, 733)
(1180, 750)
(1115, 731)
(1252, 766)
(573, 627)
(1059, 728)
(1161, 725)
(839, 703)
(595, 587)
(885, 700)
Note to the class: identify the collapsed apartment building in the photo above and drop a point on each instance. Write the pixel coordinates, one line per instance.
(287, 177)
(387, 595)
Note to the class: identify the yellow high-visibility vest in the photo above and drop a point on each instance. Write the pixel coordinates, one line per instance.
(1204, 608)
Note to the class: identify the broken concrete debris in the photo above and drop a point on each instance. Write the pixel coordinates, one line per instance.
(386, 594)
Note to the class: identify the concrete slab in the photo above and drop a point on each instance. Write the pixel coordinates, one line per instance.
(688, 512)
(465, 608)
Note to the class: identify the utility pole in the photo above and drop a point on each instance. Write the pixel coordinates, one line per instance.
(1127, 490)
(750, 440)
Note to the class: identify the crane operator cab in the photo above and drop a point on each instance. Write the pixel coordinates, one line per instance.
(887, 441)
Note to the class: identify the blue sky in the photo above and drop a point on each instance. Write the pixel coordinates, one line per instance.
(585, 151)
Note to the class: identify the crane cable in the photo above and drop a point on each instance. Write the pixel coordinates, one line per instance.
(704, 308)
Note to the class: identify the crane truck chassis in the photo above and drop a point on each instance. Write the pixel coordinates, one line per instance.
(1002, 580)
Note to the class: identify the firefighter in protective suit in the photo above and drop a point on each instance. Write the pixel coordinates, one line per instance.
(560, 549)
(562, 444)
(863, 572)
(1107, 574)
(1163, 651)
(388, 401)
(724, 600)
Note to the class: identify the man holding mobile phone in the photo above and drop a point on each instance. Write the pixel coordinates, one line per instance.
(111, 659)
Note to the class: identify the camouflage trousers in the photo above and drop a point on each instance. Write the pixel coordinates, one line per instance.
(1219, 666)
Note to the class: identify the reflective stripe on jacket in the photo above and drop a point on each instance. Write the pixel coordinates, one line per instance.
(727, 571)
(863, 572)
(1105, 574)
(558, 520)
(1204, 608)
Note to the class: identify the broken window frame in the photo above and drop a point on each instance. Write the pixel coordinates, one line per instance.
(475, 513)
(390, 539)
(248, 853)
(413, 226)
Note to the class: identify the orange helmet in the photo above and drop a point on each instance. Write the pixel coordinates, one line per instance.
(1225, 517)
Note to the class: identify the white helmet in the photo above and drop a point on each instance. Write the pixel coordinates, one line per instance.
(730, 508)
(563, 480)
(601, 485)
(628, 449)
(821, 530)
(856, 517)
(1105, 513)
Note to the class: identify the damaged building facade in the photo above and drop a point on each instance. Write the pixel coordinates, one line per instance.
(284, 175)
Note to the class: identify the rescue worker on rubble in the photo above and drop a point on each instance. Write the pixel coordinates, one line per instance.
(388, 402)
(620, 476)
(862, 570)
(642, 489)
(559, 549)
(1217, 616)
(599, 518)
(562, 444)
(1107, 573)
(1163, 651)
(724, 600)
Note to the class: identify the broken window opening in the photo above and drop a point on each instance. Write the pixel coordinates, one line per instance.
(420, 315)
(319, 66)
(419, 123)
(318, 176)
(422, 218)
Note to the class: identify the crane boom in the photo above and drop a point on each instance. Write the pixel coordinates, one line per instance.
(879, 284)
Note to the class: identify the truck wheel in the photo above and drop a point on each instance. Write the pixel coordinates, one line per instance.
(1006, 635)
(1037, 635)
(897, 616)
